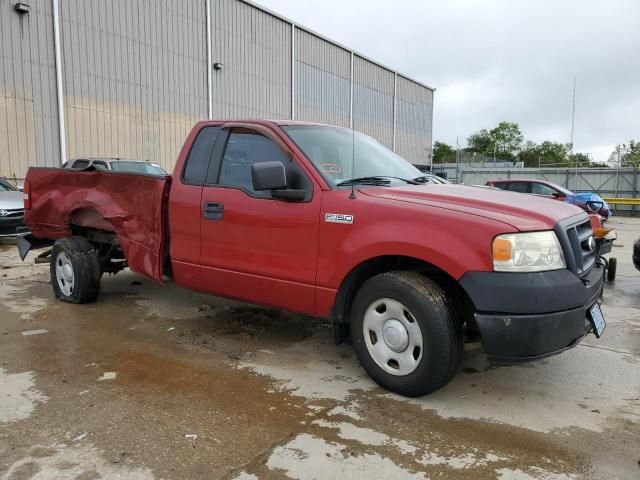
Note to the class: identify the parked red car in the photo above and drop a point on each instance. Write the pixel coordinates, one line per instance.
(327, 222)
(552, 190)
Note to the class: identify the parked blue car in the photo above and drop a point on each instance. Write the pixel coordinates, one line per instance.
(589, 201)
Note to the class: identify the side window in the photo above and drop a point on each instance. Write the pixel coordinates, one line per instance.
(501, 185)
(520, 187)
(244, 148)
(100, 165)
(195, 169)
(541, 189)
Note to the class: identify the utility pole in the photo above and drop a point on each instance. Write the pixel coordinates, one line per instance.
(573, 120)
(457, 160)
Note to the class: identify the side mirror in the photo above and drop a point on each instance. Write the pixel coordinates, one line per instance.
(594, 206)
(557, 195)
(272, 176)
(268, 176)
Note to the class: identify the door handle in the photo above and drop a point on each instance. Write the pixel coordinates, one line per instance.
(213, 210)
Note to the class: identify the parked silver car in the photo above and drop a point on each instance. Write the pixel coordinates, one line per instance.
(117, 165)
(11, 210)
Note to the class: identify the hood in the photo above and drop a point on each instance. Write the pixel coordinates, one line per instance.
(521, 211)
(11, 201)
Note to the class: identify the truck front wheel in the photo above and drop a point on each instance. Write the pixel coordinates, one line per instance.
(75, 270)
(405, 333)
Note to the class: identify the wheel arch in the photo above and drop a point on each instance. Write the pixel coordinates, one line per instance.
(371, 267)
(89, 217)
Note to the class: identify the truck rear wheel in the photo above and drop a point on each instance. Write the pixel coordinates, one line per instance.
(405, 333)
(75, 270)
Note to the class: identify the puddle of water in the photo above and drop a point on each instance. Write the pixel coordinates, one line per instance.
(19, 396)
(308, 457)
(71, 463)
(533, 474)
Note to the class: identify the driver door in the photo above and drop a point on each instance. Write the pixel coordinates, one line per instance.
(253, 247)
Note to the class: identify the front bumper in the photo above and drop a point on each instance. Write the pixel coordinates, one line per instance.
(12, 226)
(528, 316)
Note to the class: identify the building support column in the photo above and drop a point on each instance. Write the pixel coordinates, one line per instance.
(293, 71)
(209, 66)
(395, 106)
(59, 85)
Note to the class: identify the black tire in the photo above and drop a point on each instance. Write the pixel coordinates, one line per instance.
(612, 267)
(86, 270)
(440, 329)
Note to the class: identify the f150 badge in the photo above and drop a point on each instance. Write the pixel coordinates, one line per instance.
(338, 218)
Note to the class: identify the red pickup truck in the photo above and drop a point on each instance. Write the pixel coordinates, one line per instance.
(325, 221)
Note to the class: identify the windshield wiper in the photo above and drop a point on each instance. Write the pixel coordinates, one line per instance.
(364, 180)
(375, 180)
(422, 179)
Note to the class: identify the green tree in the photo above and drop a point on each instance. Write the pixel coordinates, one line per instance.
(504, 141)
(507, 139)
(480, 142)
(529, 154)
(626, 154)
(554, 153)
(442, 152)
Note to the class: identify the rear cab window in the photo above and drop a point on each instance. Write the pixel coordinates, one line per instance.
(197, 164)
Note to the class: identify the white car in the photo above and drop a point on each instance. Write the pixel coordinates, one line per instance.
(117, 165)
(11, 210)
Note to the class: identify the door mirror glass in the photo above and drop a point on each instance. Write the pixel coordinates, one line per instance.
(268, 176)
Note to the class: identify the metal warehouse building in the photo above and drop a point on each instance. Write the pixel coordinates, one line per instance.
(129, 78)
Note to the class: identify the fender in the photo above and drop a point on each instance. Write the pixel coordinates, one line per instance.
(451, 241)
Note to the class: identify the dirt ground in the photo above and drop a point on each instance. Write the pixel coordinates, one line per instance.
(155, 382)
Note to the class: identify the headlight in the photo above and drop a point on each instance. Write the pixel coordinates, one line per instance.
(527, 252)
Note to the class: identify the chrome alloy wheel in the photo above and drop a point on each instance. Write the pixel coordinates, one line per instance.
(64, 274)
(393, 336)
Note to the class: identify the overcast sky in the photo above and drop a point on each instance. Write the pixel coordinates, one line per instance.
(494, 60)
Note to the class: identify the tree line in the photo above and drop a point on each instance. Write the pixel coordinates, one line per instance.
(506, 142)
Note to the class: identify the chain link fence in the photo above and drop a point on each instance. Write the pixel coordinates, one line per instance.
(607, 182)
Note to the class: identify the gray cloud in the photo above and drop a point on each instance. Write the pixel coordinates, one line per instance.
(496, 60)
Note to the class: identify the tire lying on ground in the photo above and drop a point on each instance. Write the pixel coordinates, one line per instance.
(611, 269)
(75, 270)
(405, 333)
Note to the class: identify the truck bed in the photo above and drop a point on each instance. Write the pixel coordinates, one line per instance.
(133, 206)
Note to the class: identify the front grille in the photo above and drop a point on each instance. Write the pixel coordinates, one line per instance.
(574, 234)
(10, 221)
(11, 214)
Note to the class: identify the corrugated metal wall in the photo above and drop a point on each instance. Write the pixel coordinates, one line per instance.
(414, 110)
(373, 100)
(255, 48)
(28, 107)
(134, 76)
(323, 80)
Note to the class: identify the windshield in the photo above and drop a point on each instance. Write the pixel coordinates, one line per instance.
(137, 167)
(5, 186)
(331, 149)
